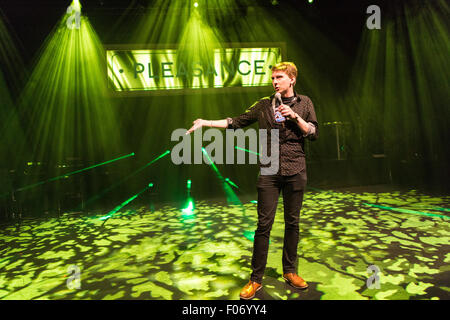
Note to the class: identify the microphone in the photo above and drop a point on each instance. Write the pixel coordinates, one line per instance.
(278, 96)
(278, 116)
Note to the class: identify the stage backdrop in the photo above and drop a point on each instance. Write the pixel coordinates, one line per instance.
(133, 70)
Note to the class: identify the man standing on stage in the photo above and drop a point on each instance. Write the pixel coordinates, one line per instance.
(295, 118)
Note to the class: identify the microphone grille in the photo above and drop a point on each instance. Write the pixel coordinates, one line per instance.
(278, 95)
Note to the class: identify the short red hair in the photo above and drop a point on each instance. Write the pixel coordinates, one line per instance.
(288, 67)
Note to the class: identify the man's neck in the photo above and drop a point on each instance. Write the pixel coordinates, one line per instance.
(288, 93)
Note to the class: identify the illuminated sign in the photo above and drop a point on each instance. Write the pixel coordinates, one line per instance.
(166, 69)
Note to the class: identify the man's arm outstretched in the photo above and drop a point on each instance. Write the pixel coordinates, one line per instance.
(208, 123)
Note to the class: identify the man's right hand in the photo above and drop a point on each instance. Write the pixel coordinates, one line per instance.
(197, 124)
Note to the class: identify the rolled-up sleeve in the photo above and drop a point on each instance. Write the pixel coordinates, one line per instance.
(313, 132)
(245, 119)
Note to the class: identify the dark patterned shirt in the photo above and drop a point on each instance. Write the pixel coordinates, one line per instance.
(291, 138)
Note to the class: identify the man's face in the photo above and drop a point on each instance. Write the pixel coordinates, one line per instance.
(281, 82)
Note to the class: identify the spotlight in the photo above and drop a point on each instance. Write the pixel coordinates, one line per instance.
(189, 208)
(196, 4)
(76, 5)
(189, 182)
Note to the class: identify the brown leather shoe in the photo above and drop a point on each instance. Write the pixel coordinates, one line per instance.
(295, 280)
(248, 292)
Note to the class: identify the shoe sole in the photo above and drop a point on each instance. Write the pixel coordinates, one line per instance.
(252, 295)
(290, 283)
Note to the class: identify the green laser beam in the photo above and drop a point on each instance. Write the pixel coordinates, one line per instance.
(96, 197)
(231, 196)
(434, 208)
(212, 164)
(157, 158)
(66, 175)
(398, 209)
(231, 182)
(407, 211)
(246, 150)
(123, 204)
(210, 161)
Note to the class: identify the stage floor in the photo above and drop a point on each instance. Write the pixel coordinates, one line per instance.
(168, 254)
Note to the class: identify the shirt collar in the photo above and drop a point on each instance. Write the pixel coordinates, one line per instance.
(295, 94)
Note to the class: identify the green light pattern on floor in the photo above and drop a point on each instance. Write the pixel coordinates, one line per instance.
(162, 255)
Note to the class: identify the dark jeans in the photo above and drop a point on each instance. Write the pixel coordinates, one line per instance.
(269, 188)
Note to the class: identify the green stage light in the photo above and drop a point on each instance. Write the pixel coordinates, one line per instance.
(408, 59)
(189, 206)
(250, 235)
(76, 5)
(196, 51)
(189, 210)
(70, 113)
